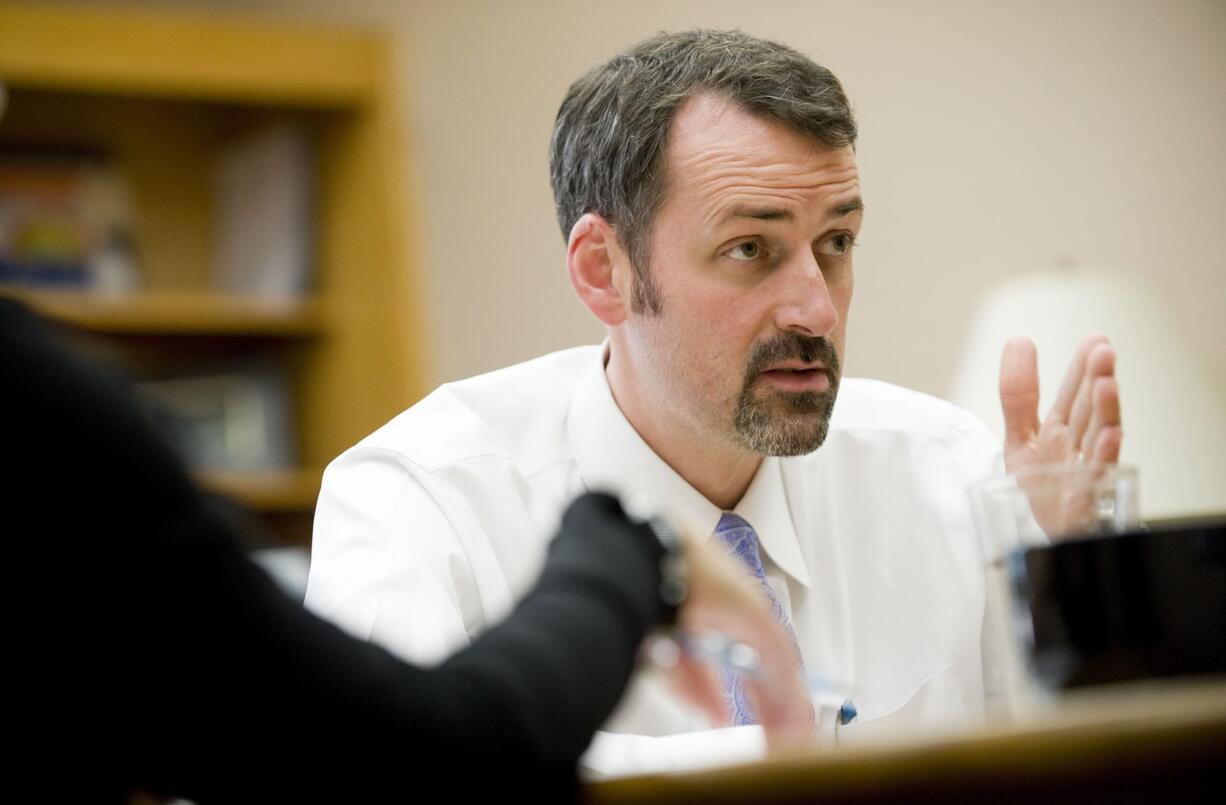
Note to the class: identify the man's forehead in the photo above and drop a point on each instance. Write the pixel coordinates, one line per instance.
(710, 118)
(715, 141)
(787, 183)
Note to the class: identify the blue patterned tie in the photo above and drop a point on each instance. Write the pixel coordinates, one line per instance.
(739, 538)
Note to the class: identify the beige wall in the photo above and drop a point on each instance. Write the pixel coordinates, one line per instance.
(997, 137)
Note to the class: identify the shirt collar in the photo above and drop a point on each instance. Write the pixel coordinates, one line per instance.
(765, 507)
(611, 456)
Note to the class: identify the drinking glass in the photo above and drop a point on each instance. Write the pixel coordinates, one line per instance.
(1029, 509)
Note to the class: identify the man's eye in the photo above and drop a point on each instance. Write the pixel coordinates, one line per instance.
(749, 250)
(838, 245)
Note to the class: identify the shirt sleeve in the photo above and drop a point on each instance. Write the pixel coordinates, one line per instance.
(386, 564)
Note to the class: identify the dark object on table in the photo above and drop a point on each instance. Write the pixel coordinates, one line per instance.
(1134, 606)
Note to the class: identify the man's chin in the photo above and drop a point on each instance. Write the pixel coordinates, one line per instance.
(801, 442)
(791, 435)
(785, 424)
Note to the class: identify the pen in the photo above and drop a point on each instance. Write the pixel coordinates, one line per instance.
(718, 649)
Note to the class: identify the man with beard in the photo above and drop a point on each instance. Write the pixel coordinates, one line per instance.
(707, 186)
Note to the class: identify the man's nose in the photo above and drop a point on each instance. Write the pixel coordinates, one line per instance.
(806, 305)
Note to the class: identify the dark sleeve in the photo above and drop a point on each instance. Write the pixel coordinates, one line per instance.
(153, 653)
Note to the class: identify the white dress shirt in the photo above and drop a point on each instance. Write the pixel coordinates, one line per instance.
(429, 530)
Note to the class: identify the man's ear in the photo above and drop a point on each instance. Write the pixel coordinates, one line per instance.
(599, 269)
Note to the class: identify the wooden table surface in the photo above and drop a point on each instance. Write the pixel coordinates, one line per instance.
(1159, 742)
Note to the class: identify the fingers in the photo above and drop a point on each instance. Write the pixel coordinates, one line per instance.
(721, 597)
(698, 683)
(785, 713)
(1019, 391)
(1106, 448)
(778, 693)
(1104, 435)
(1097, 402)
(1073, 386)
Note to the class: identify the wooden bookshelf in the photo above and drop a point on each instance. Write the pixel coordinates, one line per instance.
(164, 93)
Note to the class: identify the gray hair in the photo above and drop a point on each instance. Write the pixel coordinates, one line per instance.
(607, 150)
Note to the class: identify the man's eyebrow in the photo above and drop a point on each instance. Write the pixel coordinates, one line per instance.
(855, 205)
(758, 213)
(781, 214)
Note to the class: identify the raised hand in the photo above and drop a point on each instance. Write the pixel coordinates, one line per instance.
(1082, 428)
(1083, 423)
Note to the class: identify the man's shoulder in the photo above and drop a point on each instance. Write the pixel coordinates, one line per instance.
(873, 405)
(516, 413)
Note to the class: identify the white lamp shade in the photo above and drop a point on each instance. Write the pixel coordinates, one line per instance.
(1173, 401)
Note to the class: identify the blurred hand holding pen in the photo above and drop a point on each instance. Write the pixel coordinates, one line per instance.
(724, 620)
(833, 706)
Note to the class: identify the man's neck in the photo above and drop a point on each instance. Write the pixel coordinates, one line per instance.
(721, 475)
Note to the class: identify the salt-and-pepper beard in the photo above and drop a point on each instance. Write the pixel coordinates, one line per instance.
(774, 422)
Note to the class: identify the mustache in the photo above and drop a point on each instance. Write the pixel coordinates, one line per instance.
(788, 346)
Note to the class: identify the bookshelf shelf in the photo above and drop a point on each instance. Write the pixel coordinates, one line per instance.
(176, 313)
(164, 95)
(279, 491)
(197, 56)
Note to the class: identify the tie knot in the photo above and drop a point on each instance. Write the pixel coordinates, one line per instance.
(731, 520)
(741, 541)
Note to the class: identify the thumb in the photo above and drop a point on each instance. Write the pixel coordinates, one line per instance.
(1019, 391)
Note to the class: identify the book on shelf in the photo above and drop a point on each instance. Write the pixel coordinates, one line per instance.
(65, 220)
(236, 419)
(262, 195)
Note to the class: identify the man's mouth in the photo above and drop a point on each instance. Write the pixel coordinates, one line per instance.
(793, 364)
(797, 377)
